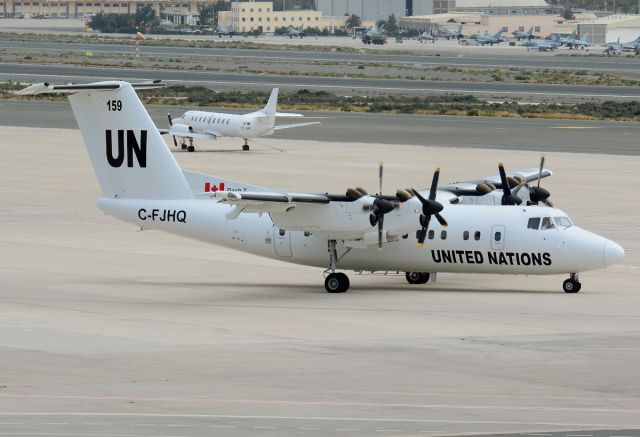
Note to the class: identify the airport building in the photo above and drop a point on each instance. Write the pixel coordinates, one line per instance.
(610, 28)
(259, 15)
(183, 11)
(374, 10)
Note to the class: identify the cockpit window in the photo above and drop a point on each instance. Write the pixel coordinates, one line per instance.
(547, 223)
(534, 223)
(562, 222)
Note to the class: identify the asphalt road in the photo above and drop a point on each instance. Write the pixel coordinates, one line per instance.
(456, 132)
(443, 57)
(525, 91)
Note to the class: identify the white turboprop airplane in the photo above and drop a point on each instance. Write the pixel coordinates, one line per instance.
(213, 125)
(487, 230)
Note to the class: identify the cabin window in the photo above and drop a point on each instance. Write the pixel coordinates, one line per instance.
(432, 234)
(282, 232)
(498, 236)
(547, 223)
(443, 235)
(534, 223)
(465, 235)
(476, 235)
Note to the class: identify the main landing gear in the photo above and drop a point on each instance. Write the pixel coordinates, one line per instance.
(190, 147)
(572, 285)
(245, 146)
(335, 282)
(417, 277)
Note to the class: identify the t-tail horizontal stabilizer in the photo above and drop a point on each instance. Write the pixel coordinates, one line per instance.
(130, 158)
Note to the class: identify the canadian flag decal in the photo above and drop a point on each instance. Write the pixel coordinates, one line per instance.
(212, 188)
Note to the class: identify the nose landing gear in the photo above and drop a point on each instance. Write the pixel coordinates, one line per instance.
(245, 146)
(572, 285)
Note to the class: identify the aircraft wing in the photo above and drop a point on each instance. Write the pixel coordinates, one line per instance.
(288, 114)
(469, 187)
(324, 214)
(201, 135)
(289, 126)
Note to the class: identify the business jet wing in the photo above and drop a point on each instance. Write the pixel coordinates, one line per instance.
(196, 135)
(288, 114)
(289, 126)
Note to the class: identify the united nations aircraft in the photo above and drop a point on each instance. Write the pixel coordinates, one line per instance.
(501, 225)
(213, 125)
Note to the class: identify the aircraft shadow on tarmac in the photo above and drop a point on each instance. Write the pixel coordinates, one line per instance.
(318, 289)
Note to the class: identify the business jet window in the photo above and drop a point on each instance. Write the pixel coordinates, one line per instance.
(562, 222)
(534, 223)
(547, 223)
(465, 235)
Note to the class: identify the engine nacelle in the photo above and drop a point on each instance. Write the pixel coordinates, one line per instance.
(180, 128)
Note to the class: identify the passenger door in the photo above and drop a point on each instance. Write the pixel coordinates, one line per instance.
(282, 242)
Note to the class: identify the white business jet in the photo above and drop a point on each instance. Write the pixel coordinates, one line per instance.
(213, 125)
(490, 225)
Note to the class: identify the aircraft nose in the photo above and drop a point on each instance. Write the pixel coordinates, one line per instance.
(612, 253)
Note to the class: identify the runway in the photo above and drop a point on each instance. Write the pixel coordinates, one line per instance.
(435, 56)
(614, 138)
(107, 331)
(497, 90)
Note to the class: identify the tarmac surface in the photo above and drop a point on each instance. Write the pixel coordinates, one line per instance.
(106, 331)
(444, 131)
(446, 56)
(497, 90)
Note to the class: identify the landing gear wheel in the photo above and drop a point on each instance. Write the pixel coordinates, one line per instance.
(190, 149)
(417, 277)
(336, 283)
(571, 286)
(183, 146)
(245, 147)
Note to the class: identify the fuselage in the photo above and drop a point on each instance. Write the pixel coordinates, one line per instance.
(227, 125)
(479, 239)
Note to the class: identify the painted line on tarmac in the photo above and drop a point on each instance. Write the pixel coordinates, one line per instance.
(420, 406)
(319, 419)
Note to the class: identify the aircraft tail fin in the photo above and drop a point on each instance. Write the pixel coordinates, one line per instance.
(498, 34)
(130, 158)
(270, 108)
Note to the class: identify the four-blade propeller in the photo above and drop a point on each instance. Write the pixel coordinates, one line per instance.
(430, 207)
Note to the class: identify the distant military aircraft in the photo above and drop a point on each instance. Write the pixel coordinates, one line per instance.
(613, 48)
(452, 34)
(632, 46)
(488, 39)
(224, 31)
(520, 34)
(575, 43)
(541, 45)
(294, 33)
